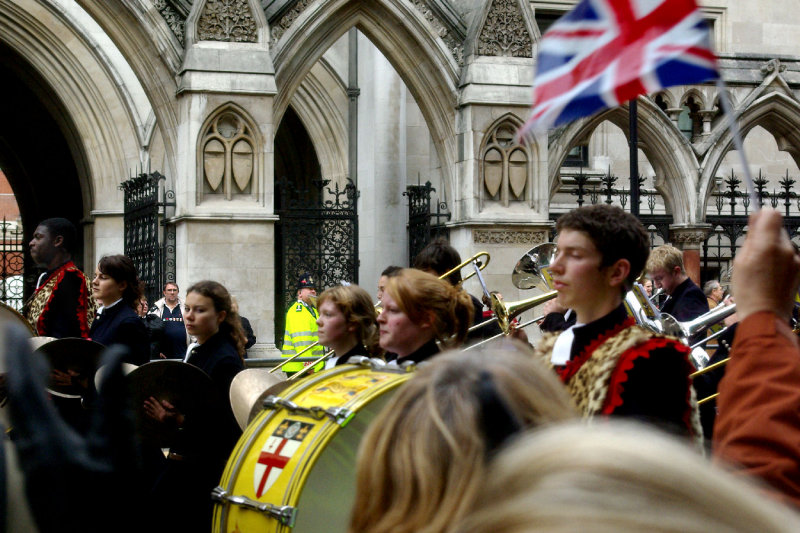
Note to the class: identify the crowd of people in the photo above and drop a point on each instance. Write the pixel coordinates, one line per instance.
(501, 438)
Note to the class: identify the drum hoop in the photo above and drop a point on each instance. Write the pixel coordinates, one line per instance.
(21, 318)
(323, 436)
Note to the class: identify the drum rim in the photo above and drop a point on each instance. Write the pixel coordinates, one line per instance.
(326, 432)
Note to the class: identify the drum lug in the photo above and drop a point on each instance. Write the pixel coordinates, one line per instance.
(285, 514)
(339, 415)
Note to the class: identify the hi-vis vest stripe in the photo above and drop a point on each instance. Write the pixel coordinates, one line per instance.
(300, 332)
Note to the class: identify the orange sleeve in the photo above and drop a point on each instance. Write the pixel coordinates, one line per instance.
(758, 423)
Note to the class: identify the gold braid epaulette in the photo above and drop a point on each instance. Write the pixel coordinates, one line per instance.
(39, 300)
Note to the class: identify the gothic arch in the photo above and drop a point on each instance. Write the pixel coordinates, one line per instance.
(507, 152)
(246, 134)
(97, 124)
(697, 95)
(775, 112)
(399, 31)
(666, 96)
(324, 123)
(669, 153)
(154, 54)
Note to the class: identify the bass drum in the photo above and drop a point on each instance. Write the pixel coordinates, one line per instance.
(294, 467)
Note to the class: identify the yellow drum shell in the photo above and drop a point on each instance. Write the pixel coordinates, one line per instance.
(293, 459)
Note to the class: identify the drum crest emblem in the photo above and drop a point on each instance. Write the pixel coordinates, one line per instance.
(276, 452)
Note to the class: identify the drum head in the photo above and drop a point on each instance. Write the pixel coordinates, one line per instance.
(301, 461)
(185, 386)
(75, 355)
(12, 315)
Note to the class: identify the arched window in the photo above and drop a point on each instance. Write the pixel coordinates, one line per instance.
(505, 166)
(228, 157)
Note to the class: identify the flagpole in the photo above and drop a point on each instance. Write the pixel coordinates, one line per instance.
(634, 155)
(727, 108)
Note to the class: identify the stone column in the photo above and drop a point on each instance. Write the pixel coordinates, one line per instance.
(674, 113)
(690, 238)
(707, 116)
(224, 214)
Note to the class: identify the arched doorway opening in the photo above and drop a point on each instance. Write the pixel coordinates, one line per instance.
(37, 155)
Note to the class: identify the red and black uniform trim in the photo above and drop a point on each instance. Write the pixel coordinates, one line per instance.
(650, 381)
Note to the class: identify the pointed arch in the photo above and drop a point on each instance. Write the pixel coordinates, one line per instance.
(403, 36)
(669, 153)
(777, 113)
(320, 114)
(700, 99)
(154, 54)
(506, 167)
(95, 118)
(228, 151)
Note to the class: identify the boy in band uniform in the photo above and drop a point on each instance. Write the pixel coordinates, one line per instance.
(610, 365)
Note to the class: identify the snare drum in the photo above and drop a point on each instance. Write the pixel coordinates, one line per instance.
(294, 467)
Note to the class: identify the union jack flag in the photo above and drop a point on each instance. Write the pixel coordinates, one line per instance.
(606, 52)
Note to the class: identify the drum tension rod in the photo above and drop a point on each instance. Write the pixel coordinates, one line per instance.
(285, 514)
(339, 415)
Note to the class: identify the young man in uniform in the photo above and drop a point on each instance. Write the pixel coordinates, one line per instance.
(62, 305)
(301, 325)
(609, 365)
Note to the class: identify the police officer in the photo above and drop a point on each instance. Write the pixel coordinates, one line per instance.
(301, 324)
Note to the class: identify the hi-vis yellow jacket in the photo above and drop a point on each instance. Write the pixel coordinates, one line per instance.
(300, 332)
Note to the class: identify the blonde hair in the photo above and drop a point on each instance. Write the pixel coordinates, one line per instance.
(424, 297)
(616, 476)
(422, 458)
(666, 257)
(358, 310)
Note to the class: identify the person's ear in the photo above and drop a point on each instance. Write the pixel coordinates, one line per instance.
(618, 272)
(221, 317)
(58, 241)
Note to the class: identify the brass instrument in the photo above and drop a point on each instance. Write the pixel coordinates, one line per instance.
(474, 259)
(480, 265)
(531, 271)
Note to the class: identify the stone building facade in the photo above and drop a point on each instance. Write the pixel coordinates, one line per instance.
(226, 97)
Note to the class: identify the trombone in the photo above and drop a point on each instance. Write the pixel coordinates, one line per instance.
(532, 271)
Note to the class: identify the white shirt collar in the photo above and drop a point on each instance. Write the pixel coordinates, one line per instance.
(104, 307)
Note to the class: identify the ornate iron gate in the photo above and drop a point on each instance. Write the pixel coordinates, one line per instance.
(423, 225)
(317, 233)
(12, 261)
(149, 240)
(657, 225)
(732, 206)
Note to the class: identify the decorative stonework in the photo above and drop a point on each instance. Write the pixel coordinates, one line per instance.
(505, 166)
(689, 238)
(172, 17)
(278, 29)
(771, 66)
(455, 46)
(228, 160)
(504, 32)
(495, 236)
(227, 20)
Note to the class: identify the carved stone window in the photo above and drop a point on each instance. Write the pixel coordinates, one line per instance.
(228, 157)
(505, 166)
